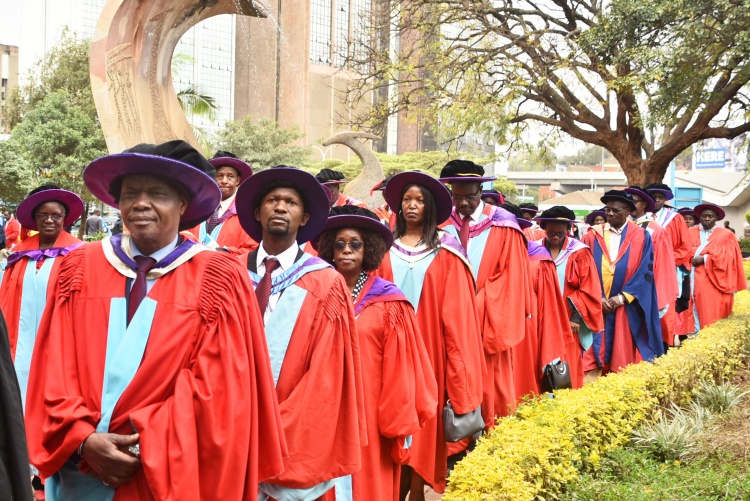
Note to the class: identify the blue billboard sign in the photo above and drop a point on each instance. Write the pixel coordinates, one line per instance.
(715, 158)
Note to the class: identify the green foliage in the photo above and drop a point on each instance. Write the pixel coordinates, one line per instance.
(431, 162)
(673, 436)
(543, 448)
(58, 139)
(634, 475)
(64, 67)
(719, 398)
(15, 173)
(745, 244)
(262, 143)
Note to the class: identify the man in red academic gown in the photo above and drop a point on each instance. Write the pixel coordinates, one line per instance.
(150, 378)
(498, 255)
(580, 285)
(623, 253)
(667, 290)
(717, 267)
(333, 180)
(675, 224)
(223, 229)
(310, 332)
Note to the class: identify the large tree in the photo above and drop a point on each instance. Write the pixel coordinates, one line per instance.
(644, 79)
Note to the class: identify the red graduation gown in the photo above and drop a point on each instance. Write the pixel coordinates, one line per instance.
(319, 389)
(665, 279)
(451, 333)
(546, 331)
(11, 290)
(202, 399)
(584, 290)
(400, 390)
(720, 277)
(232, 236)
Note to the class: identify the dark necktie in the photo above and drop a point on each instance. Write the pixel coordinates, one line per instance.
(138, 290)
(212, 221)
(463, 235)
(263, 291)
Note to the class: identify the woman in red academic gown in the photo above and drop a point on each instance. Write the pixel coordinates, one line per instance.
(33, 265)
(717, 267)
(431, 269)
(579, 282)
(400, 387)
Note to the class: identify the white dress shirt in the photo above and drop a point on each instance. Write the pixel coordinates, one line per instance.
(615, 237)
(286, 260)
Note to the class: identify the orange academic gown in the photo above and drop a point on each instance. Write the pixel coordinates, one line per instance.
(319, 385)
(582, 291)
(722, 275)
(504, 301)
(400, 387)
(447, 318)
(665, 279)
(11, 290)
(202, 398)
(548, 328)
(231, 236)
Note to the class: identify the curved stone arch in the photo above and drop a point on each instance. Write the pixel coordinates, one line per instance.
(372, 171)
(131, 63)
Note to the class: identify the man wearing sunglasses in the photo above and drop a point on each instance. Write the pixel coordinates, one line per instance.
(623, 252)
(496, 248)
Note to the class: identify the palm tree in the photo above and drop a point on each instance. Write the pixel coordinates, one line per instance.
(194, 102)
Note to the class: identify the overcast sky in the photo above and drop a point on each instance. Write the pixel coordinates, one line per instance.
(10, 22)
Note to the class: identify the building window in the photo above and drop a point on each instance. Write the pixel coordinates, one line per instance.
(320, 32)
(342, 32)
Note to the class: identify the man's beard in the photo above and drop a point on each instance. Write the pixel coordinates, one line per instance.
(277, 231)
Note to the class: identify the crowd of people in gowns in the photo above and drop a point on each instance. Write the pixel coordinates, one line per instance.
(263, 336)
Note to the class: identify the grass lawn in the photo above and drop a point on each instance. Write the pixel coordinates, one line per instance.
(720, 470)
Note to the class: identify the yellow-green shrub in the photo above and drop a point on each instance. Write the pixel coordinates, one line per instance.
(536, 452)
(746, 265)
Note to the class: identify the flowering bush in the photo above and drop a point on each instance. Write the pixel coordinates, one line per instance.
(539, 450)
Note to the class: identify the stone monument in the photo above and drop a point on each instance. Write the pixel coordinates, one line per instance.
(372, 171)
(131, 66)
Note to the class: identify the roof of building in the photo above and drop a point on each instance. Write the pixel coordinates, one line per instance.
(577, 198)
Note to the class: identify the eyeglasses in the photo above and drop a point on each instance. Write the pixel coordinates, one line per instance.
(469, 198)
(354, 245)
(56, 217)
(556, 233)
(613, 210)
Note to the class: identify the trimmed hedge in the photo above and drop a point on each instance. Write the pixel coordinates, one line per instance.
(539, 450)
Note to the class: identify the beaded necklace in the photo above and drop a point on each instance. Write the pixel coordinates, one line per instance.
(359, 285)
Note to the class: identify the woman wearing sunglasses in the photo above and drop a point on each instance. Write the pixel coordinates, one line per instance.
(432, 270)
(400, 389)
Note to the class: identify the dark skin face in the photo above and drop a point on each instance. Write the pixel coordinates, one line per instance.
(489, 200)
(709, 218)
(281, 213)
(466, 197)
(528, 216)
(228, 180)
(151, 209)
(49, 218)
(659, 200)
(412, 206)
(348, 261)
(617, 213)
(599, 220)
(690, 220)
(335, 191)
(640, 206)
(556, 233)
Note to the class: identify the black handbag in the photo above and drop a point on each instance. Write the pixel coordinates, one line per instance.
(460, 426)
(556, 377)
